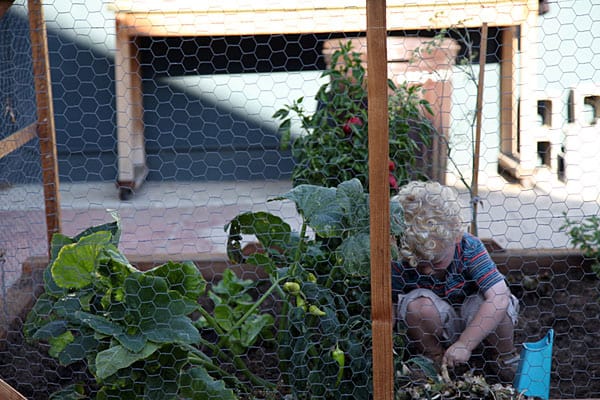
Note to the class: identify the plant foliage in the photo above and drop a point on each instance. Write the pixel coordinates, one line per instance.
(324, 330)
(135, 330)
(333, 146)
(585, 235)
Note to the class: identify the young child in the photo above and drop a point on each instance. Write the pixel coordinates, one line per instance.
(450, 296)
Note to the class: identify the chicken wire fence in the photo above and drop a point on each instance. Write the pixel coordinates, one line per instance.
(177, 120)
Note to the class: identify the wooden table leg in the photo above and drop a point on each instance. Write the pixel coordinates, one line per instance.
(518, 105)
(509, 157)
(132, 169)
(508, 93)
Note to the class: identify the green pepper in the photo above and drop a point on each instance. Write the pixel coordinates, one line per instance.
(291, 287)
(300, 302)
(338, 355)
(314, 310)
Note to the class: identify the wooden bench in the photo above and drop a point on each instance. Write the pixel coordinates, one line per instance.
(135, 18)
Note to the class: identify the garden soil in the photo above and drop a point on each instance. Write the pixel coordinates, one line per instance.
(567, 302)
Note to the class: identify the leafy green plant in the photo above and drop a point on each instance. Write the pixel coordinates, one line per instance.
(323, 273)
(135, 330)
(585, 235)
(333, 146)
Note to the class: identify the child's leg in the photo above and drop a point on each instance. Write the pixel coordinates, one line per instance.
(429, 321)
(424, 328)
(502, 339)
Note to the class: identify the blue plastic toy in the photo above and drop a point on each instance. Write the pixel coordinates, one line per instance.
(533, 373)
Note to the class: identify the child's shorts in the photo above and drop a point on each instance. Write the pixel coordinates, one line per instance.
(454, 320)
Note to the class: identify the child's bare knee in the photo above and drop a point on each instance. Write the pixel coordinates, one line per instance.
(422, 308)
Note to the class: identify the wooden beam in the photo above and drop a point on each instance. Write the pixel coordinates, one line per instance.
(381, 285)
(4, 6)
(7, 392)
(17, 139)
(45, 117)
(198, 18)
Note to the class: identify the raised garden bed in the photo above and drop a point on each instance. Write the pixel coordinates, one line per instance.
(556, 289)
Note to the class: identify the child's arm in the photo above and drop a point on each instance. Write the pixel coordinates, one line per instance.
(487, 319)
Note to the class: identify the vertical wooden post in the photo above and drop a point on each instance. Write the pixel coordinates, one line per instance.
(381, 287)
(479, 111)
(508, 92)
(45, 117)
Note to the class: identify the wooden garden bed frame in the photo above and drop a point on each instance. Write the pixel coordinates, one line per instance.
(22, 295)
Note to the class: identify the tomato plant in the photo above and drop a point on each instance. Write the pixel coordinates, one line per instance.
(333, 144)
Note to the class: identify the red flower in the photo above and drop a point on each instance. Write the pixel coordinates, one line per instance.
(393, 181)
(391, 166)
(348, 125)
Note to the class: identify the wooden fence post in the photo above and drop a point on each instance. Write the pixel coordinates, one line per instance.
(381, 298)
(45, 117)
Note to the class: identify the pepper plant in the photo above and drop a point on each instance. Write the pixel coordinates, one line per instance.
(323, 271)
(134, 330)
(585, 235)
(333, 144)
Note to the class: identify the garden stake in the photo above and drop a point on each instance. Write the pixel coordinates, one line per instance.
(480, 85)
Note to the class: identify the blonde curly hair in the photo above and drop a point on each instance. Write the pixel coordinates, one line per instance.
(433, 220)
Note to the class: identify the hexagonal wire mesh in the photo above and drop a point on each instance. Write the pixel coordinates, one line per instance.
(175, 102)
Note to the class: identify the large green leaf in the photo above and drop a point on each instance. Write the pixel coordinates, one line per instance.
(319, 206)
(75, 265)
(114, 228)
(182, 277)
(118, 261)
(176, 330)
(147, 297)
(197, 384)
(397, 224)
(38, 315)
(356, 253)
(72, 392)
(50, 286)
(263, 261)
(269, 229)
(78, 348)
(50, 330)
(132, 342)
(58, 242)
(116, 357)
(99, 324)
(166, 366)
(354, 202)
(59, 343)
(66, 307)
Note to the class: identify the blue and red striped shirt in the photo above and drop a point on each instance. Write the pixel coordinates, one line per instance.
(471, 271)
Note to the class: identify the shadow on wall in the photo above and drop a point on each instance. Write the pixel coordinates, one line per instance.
(189, 137)
(17, 101)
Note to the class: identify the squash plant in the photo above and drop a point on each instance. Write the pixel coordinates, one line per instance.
(323, 276)
(135, 330)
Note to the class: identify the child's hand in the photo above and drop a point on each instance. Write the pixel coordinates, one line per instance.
(456, 354)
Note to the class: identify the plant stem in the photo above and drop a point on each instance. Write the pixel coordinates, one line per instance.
(237, 361)
(300, 248)
(252, 309)
(212, 322)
